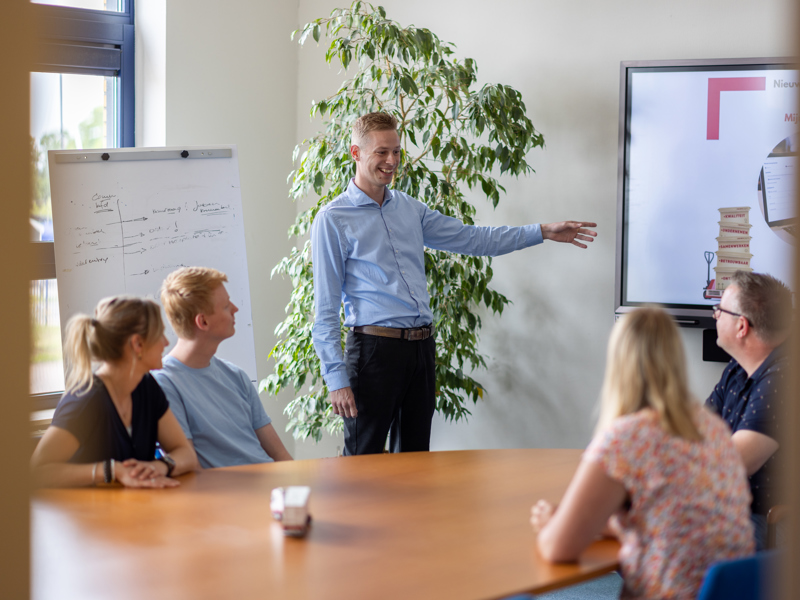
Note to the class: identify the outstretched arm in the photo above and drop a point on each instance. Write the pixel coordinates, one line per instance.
(569, 232)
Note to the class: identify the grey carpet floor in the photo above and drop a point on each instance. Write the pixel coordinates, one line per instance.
(603, 588)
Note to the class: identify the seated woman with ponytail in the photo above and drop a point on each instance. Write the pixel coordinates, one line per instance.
(106, 425)
(661, 472)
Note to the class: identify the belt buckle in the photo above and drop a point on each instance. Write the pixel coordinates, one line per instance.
(420, 333)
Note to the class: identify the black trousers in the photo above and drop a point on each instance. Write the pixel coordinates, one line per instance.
(394, 383)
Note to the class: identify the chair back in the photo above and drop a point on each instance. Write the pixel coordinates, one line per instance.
(748, 578)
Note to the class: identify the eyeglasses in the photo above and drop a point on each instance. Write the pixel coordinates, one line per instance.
(717, 309)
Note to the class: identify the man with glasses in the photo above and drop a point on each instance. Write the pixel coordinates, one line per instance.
(753, 322)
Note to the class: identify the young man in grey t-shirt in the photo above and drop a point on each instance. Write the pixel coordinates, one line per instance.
(214, 400)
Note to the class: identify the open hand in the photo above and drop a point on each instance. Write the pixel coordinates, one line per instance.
(570, 232)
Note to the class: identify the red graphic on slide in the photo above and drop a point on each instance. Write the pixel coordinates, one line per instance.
(716, 85)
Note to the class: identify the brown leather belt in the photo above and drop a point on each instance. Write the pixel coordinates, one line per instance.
(412, 335)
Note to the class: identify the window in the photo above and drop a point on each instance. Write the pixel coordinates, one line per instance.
(82, 96)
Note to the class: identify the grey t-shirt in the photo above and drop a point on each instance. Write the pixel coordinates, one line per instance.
(219, 410)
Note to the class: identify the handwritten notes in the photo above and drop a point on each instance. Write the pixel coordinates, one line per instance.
(123, 226)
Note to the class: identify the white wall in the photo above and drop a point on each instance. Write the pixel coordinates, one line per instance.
(546, 353)
(233, 76)
(151, 72)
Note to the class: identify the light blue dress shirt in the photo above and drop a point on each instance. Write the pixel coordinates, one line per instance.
(372, 258)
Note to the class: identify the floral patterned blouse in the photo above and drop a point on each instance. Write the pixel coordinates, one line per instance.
(689, 502)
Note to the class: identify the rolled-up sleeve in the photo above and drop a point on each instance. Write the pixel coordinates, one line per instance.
(328, 256)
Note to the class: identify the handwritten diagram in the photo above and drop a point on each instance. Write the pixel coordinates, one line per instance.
(122, 227)
(151, 234)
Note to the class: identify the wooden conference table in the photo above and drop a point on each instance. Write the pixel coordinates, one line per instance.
(435, 525)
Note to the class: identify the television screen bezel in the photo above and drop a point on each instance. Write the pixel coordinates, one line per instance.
(685, 315)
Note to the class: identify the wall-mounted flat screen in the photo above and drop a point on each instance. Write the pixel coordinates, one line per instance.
(707, 172)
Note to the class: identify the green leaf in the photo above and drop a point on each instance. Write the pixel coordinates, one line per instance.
(465, 134)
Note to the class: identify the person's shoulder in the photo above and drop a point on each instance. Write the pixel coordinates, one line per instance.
(329, 216)
(96, 392)
(149, 389)
(401, 198)
(231, 368)
(226, 365)
(148, 383)
(169, 366)
(341, 201)
(778, 360)
(732, 372)
(624, 431)
(170, 373)
(232, 373)
(76, 402)
(644, 420)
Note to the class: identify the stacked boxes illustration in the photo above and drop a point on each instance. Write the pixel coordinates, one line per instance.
(733, 251)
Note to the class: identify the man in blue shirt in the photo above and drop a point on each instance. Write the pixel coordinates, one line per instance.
(368, 253)
(214, 400)
(753, 321)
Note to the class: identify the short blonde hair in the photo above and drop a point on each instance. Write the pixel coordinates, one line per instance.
(376, 121)
(646, 368)
(187, 293)
(103, 338)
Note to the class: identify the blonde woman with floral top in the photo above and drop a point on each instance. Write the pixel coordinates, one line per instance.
(661, 473)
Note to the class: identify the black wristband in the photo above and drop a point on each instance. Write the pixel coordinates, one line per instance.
(169, 461)
(107, 471)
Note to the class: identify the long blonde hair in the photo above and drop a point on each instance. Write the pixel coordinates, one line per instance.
(646, 368)
(103, 338)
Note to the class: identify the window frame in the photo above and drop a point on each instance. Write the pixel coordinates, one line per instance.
(85, 42)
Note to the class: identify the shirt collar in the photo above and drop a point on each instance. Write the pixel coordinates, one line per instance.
(359, 198)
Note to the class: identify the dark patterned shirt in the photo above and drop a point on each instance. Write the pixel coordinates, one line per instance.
(756, 404)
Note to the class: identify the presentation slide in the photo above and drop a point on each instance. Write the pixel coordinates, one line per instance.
(711, 162)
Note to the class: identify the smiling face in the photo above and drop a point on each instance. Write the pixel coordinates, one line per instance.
(377, 158)
(220, 324)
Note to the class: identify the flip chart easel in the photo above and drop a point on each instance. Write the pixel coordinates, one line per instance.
(123, 219)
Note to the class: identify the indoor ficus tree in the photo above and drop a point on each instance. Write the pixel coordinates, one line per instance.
(453, 137)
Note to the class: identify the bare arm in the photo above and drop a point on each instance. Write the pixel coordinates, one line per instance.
(755, 448)
(49, 465)
(50, 468)
(591, 498)
(173, 440)
(272, 444)
(569, 232)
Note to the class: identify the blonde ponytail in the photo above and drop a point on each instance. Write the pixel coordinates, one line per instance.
(104, 337)
(77, 355)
